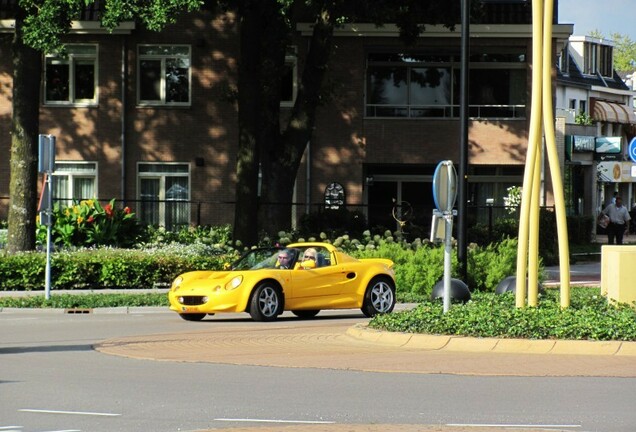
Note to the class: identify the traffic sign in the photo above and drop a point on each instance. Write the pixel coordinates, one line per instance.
(632, 149)
(445, 186)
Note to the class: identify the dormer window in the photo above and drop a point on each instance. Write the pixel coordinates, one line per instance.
(598, 59)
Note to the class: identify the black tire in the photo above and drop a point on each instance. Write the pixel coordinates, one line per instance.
(266, 303)
(193, 316)
(304, 314)
(379, 298)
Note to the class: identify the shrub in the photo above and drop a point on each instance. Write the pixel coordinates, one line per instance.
(88, 223)
(487, 266)
(491, 315)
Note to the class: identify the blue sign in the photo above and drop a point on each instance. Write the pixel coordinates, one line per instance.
(632, 149)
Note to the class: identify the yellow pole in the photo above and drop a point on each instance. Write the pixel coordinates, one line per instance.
(535, 130)
(553, 158)
(533, 249)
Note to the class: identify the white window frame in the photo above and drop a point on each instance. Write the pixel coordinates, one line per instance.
(291, 59)
(91, 171)
(72, 57)
(162, 58)
(161, 176)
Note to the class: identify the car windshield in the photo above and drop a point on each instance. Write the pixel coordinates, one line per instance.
(257, 259)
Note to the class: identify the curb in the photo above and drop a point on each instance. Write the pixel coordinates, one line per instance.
(95, 311)
(492, 345)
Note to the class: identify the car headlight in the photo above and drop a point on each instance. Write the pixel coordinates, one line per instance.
(234, 283)
(176, 283)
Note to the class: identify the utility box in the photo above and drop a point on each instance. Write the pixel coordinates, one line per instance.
(618, 278)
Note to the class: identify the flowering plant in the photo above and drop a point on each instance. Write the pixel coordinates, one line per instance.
(513, 200)
(88, 223)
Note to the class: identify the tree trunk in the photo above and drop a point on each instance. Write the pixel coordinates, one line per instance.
(264, 36)
(25, 124)
(283, 156)
(245, 226)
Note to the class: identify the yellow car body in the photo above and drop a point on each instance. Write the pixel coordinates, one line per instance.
(258, 285)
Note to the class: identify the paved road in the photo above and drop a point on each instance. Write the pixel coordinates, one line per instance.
(52, 379)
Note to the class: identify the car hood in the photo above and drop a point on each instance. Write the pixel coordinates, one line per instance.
(206, 279)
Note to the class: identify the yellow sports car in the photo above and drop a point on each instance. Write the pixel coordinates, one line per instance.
(303, 278)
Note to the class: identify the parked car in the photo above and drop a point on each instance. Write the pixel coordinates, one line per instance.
(264, 284)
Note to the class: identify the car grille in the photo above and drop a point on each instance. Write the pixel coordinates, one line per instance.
(192, 300)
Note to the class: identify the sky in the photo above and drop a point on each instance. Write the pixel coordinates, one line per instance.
(606, 16)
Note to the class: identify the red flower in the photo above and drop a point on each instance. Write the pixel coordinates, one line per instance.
(127, 210)
(109, 210)
(90, 219)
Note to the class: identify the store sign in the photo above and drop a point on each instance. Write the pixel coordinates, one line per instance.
(615, 172)
(581, 143)
(608, 144)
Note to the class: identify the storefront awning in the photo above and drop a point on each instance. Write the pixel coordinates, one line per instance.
(612, 112)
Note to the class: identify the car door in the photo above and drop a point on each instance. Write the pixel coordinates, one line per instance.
(322, 287)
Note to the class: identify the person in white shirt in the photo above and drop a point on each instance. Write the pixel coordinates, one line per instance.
(619, 221)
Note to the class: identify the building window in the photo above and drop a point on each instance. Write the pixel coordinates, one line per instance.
(71, 77)
(164, 194)
(598, 59)
(563, 61)
(164, 75)
(74, 181)
(334, 196)
(289, 86)
(427, 86)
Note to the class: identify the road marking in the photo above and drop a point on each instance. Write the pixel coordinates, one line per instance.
(273, 421)
(69, 412)
(10, 428)
(529, 426)
(65, 430)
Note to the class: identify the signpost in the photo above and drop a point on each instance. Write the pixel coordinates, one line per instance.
(444, 195)
(632, 149)
(46, 165)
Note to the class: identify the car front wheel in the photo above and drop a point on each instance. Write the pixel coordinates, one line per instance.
(379, 297)
(266, 303)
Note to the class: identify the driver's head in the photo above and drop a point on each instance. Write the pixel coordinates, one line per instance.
(284, 256)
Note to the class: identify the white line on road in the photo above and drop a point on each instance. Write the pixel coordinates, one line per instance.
(69, 412)
(273, 421)
(10, 428)
(65, 430)
(529, 426)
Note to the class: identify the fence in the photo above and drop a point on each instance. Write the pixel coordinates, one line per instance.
(317, 216)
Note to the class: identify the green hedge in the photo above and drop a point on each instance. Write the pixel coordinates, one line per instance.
(418, 265)
(107, 268)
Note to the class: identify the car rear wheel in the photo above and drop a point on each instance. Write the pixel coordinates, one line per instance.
(266, 303)
(379, 297)
(192, 316)
(306, 313)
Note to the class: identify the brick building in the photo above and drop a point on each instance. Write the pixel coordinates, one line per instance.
(146, 117)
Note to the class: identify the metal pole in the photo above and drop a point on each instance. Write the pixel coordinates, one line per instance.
(448, 251)
(462, 248)
(49, 211)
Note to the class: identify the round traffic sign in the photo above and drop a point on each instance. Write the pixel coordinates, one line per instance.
(632, 149)
(445, 186)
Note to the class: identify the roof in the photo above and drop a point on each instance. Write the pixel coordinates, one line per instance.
(574, 76)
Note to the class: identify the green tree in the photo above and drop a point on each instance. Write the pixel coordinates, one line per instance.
(266, 31)
(39, 25)
(624, 53)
